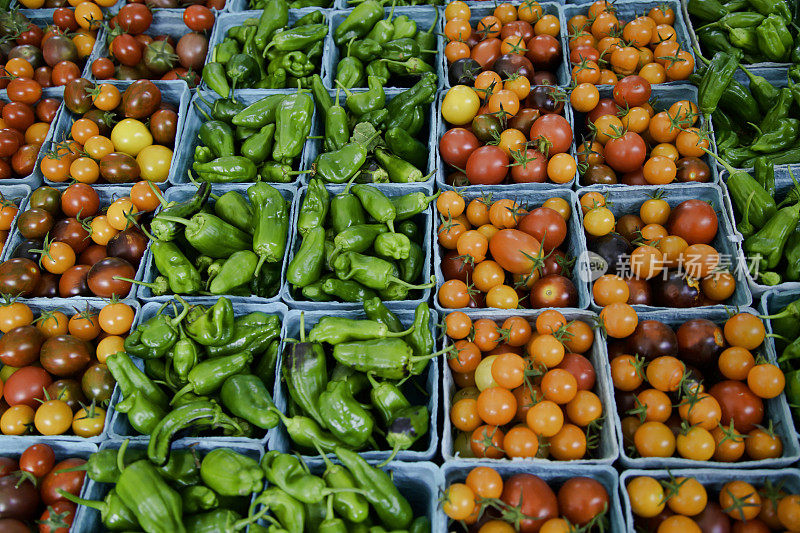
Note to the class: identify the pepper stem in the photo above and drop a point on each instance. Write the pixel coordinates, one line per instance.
(302, 326)
(721, 161)
(121, 455)
(391, 457)
(158, 194)
(415, 358)
(401, 333)
(158, 287)
(177, 220)
(435, 20)
(349, 183)
(786, 313)
(395, 279)
(189, 387)
(202, 111)
(91, 504)
(346, 91)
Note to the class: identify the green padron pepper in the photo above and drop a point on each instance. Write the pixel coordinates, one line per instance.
(212, 326)
(229, 473)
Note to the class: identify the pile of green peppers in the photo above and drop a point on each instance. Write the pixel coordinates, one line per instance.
(268, 52)
(785, 325)
(240, 143)
(351, 497)
(351, 250)
(385, 48)
(205, 369)
(764, 30)
(756, 125)
(185, 493)
(361, 402)
(233, 245)
(370, 139)
(771, 237)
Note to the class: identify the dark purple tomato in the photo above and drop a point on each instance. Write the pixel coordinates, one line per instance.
(129, 244)
(97, 383)
(72, 232)
(738, 404)
(65, 355)
(27, 249)
(18, 276)
(700, 342)
(713, 519)
(544, 52)
(545, 99)
(47, 286)
(629, 226)
(77, 96)
(164, 126)
(19, 498)
(20, 346)
(8, 465)
(47, 198)
(639, 292)
(599, 175)
(611, 248)
(192, 49)
(12, 525)
(454, 267)
(58, 48)
(141, 99)
(553, 291)
(508, 65)
(34, 223)
(678, 290)
(68, 390)
(118, 167)
(103, 277)
(692, 169)
(74, 282)
(652, 339)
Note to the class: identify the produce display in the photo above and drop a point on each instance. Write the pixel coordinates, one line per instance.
(646, 45)
(73, 242)
(115, 136)
(134, 50)
(614, 150)
(236, 250)
(268, 52)
(513, 42)
(527, 503)
(513, 258)
(683, 503)
(368, 125)
(373, 358)
(257, 142)
(756, 125)
(390, 51)
(36, 485)
(199, 352)
(358, 243)
(524, 388)
(759, 31)
(723, 419)
(48, 54)
(664, 256)
(254, 250)
(55, 377)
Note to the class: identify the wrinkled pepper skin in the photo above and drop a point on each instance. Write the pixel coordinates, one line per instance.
(359, 22)
(271, 217)
(157, 507)
(306, 266)
(315, 207)
(289, 512)
(306, 375)
(293, 124)
(251, 333)
(229, 473)
(246, 396)
(143, 414)
(288, 473)
(380, 491)
(213, 327)
(768, 242)
(344, 416)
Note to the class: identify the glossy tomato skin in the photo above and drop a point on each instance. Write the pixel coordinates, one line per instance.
(580, 499)
(546, 225)
(581, 369)
(738, 404)
(455, 267)
(533, 497)
(513, 250)
(713, 519)
(626, 153)
(26, 386)
(555, 129)
(20, 346)
(652, 339)
(695, 221)
(141, 99)
(67, 481)
(700, 342)
(101, 277)
(456, 145)
(18, 498)
(487, 165)
(65, 355)
(631, 91)
(18, 276)
(553, 291)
